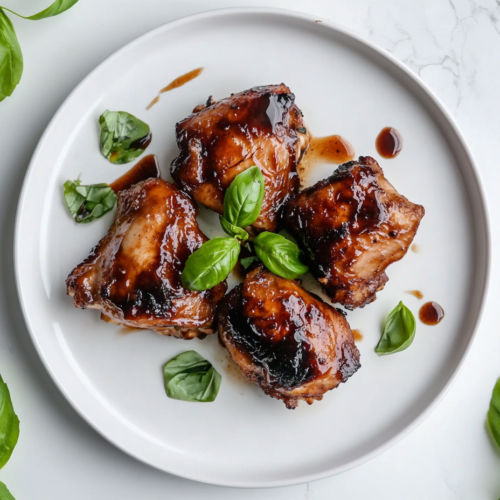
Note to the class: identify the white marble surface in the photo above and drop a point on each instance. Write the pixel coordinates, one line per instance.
(454, 45)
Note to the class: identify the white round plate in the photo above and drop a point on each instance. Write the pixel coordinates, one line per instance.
(344, 85)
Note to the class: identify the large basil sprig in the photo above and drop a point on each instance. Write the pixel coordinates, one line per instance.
(189, 377)
(210, 264)
(123, 136)
(5, 494)
(279, 255)
(493, 419)
(11, 57)
(399, 331)
(9, 424)
(88, 203)
(243, 198)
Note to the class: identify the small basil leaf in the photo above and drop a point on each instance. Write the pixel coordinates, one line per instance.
(88, 203)
(5, 494)
(232, 230)
(287, 236)
(11, 57)
(9, 425)
(210, 264)
(243, 198)
(189, 377)
(248, 261)
(302, 130)
(123, 136)
(279, 255)
(399, 331)
(493, 419)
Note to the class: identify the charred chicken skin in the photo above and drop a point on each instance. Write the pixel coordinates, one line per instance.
(285, 339)
(261, 126)
(134, 274)
(353, 225)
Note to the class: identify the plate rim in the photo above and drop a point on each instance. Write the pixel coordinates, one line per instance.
(481, 207)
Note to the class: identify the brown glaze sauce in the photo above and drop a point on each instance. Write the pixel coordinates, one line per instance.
(431, 313)
(416, 293)
(182, 80)
(389, 143)
(331, 149)
(152, 103)
(357, 335)
(146, 168)
(415, 248)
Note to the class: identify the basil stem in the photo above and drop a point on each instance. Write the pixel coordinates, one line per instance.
(123, 136)
(399, 331)
(493, 418)
(88, 203)
(210, 264)
(243, 198)
(9, 425)
(279, 255)
(232, 230)
(189, 377)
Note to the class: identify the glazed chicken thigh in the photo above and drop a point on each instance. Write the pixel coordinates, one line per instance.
(285, 339)
(133, 274)
(261, 126)
(352, 226)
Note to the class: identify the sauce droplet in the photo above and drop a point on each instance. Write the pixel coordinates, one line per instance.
(142, 170)
(357, 335)
(431, 313)
(182, 80)
(415, 248)
(331, 149)
(389, 143)
(416, 293)
(152, 103)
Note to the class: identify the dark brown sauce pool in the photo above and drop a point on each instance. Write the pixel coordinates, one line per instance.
(146, 168)
(389, 143)
(331, 149)
(182, 80)
(431, 313)
(357, 335)
(416, 293)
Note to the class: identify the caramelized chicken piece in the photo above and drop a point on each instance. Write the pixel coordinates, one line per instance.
(134, 274)
(353, 225)
(285, 339)
(261, 126)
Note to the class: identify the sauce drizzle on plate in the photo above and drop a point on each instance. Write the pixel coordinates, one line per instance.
(389, 143)
(431, 313)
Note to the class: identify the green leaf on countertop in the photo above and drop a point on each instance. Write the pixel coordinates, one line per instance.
(189, 377)
(58, 7)
(123, 136)
(88, 203)
(9, 424)
(493, 418)
(11, 57)
(399, 331)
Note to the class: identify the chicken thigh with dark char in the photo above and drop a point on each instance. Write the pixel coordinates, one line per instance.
(134, 274)
(285, 339)
(353, 225)
(261, 126)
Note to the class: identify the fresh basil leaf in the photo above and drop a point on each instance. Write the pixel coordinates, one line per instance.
(58, 7)
(243, 198)
(189, 377)
(232, 230)
(88, 203)
(493, 419)
(9, 425)
(399, 331)
(210, 264)
(123, 136)
(248, 261)
(5, 494)
(11, 57)
(279, 255)
(287, 236)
